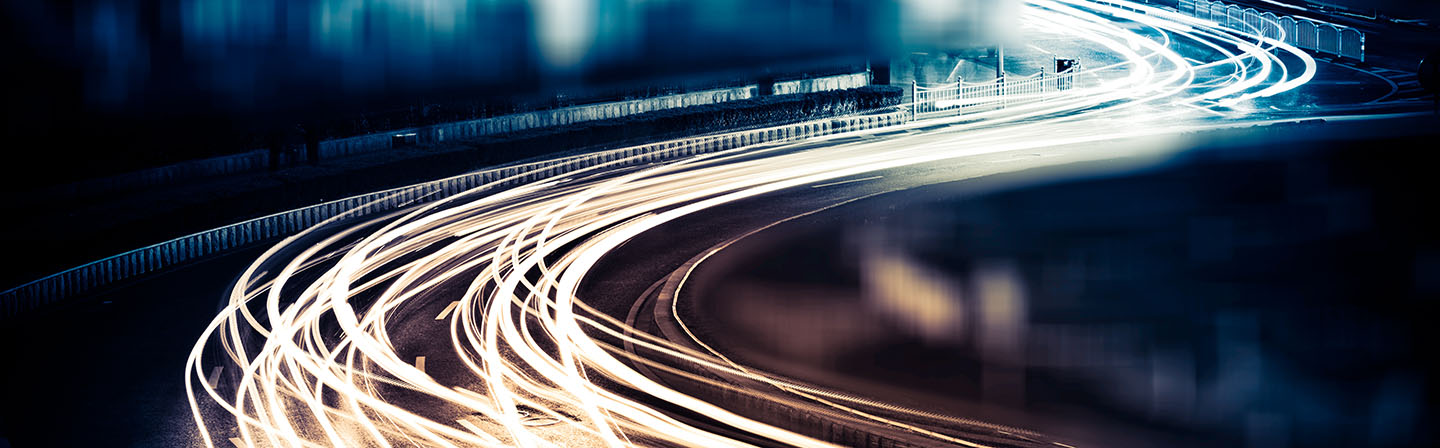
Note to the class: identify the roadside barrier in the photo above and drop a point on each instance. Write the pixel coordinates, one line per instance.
(99, 274)
(962, 97)
(1309, 34)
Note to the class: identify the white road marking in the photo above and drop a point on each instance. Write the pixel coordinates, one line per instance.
(420, 363)
(1394, 88)
(214, 379)
(238, 443)
(447, 310)
(847, 182)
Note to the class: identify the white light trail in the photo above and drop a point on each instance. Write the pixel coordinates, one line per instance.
(318, 344)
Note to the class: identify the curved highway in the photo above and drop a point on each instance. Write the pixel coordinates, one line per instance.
(487, 319)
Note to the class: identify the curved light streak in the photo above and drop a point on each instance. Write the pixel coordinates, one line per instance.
(312, 327)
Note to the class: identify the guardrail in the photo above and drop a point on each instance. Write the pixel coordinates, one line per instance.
(96, 275)
(260, 160)
(439, 133)
(961, 97)
(1305, 33)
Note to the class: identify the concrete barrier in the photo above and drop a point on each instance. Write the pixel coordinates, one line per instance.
(840, 82)
(93, 276)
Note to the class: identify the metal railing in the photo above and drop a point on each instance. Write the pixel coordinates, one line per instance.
(96, 275)
(1305, 33)
(929, 101)
(442, 132)
(962, 97)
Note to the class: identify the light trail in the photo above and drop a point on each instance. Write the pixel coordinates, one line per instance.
(314, 345)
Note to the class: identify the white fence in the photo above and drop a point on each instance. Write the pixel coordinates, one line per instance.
(1309, 34)
(962, 97)
(96, 275)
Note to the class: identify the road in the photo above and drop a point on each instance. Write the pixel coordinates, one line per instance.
(338, 352)
(1126, 282)
(500, 318)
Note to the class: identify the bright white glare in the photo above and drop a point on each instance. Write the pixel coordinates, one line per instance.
(565, 30)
